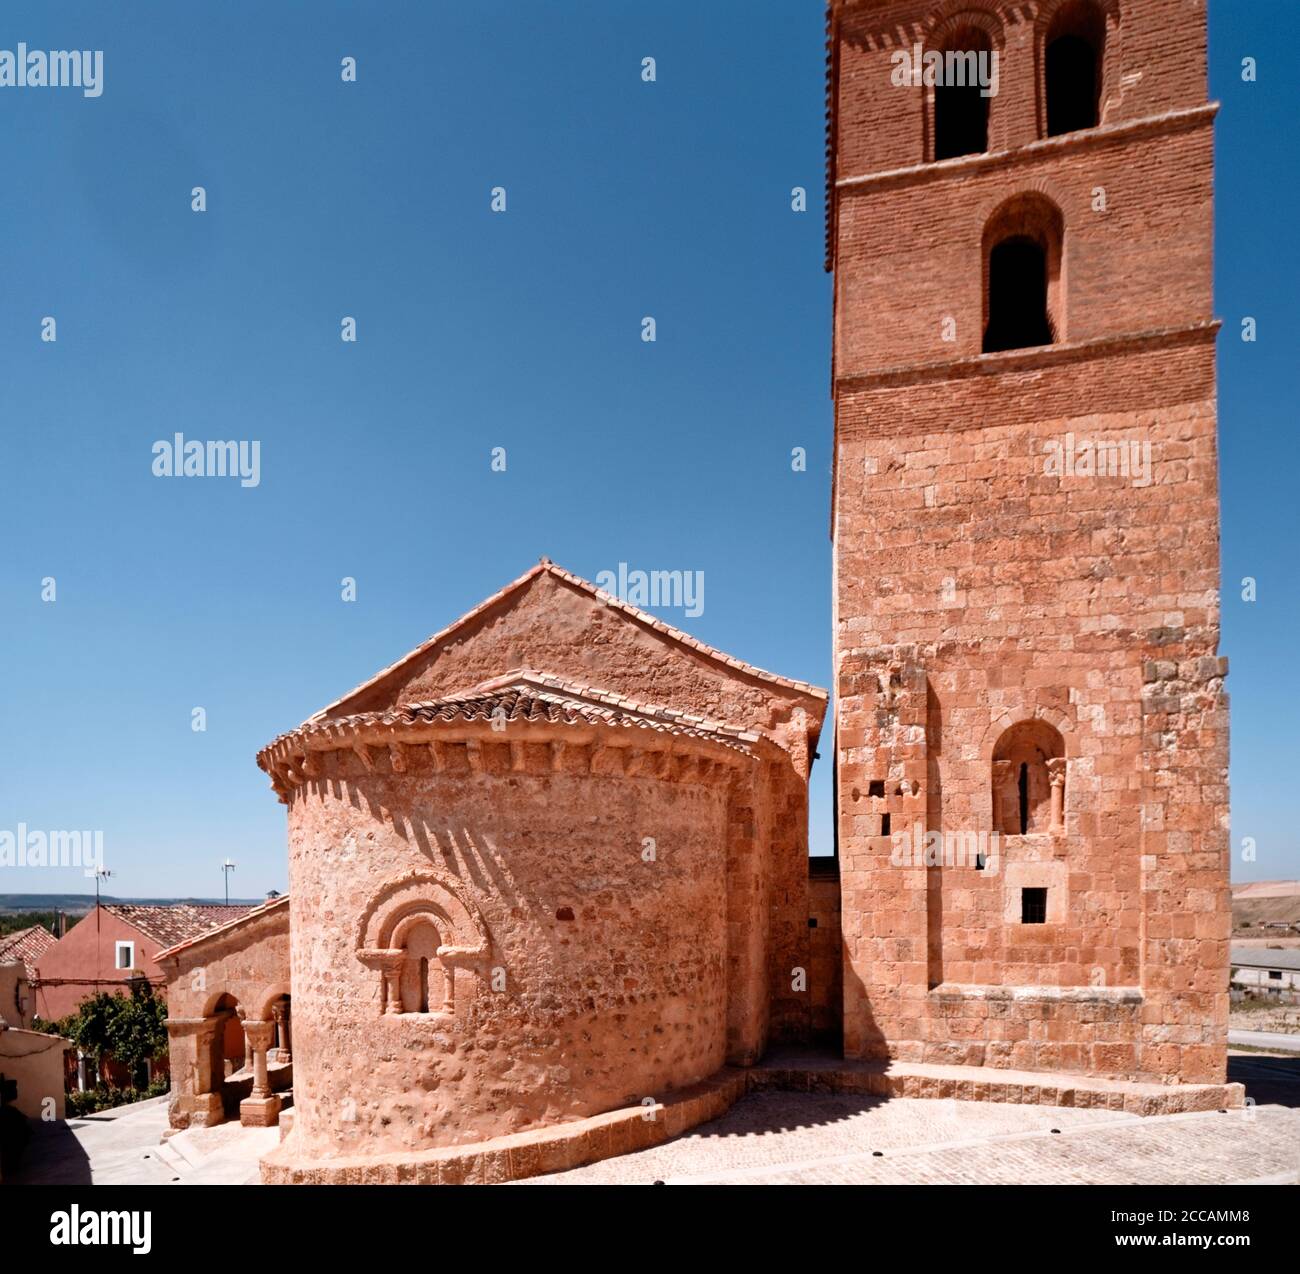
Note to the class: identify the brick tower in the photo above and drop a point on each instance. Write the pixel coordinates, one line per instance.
(1032, 730)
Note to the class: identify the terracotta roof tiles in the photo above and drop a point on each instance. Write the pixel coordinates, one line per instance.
(247, 914)
(176, 922)
(27, 945)
(525, 695)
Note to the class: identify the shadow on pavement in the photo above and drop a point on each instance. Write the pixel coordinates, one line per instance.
(53, 1156)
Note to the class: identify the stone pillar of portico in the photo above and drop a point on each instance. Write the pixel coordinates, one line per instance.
(261, 1108)
(280, 1011)
(196, 1088)
(1056, 776)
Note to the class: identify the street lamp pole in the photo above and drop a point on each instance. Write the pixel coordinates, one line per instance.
(226, 868)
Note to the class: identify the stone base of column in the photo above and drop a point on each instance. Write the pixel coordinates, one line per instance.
(191, 1110)
(260, 1112)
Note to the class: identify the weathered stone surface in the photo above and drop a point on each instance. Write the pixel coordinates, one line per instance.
(994, 614)
(551, 895)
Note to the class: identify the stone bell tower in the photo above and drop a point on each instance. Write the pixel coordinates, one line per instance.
(1032, 729)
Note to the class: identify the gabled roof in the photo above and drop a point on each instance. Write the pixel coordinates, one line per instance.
(27, 945)
(523, 695)
(249, 915)
(171, 923)
(546, 566)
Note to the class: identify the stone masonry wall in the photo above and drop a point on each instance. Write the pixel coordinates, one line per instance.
(604, 982)
(977, 588)
(553, 626)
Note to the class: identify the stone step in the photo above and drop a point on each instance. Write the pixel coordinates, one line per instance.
(821, 1074)
(172, 1157)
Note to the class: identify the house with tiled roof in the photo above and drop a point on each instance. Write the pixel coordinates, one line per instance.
(114, 943)
(31, 1062)
(26, 946)
(19, 952)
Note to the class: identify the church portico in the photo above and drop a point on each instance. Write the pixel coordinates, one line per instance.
(229, 1014)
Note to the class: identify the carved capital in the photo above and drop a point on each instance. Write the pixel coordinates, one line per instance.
(462, 955)
(259, 1035)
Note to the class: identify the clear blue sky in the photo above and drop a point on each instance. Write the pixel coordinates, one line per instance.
(476, 330)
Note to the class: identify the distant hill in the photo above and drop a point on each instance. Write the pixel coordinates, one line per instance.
(1258, 903)
(80, 904)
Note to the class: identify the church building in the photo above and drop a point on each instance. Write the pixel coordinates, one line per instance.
(550, 896)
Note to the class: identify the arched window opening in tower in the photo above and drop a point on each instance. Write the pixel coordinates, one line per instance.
(1072, 64)
(1029, 780)
(1017, 312)
(961, 106)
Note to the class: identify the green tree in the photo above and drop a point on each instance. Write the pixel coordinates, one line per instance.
(131, 1029)
(138, 1030)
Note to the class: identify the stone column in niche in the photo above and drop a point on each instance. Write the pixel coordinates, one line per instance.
(1005, 799)
(391, 965)
(1056, 776)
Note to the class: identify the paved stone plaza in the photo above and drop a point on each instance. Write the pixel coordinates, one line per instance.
(121, 1147)
(807, 1139)
(773, 1138)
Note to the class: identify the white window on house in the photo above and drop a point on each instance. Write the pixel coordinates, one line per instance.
(125, 955)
